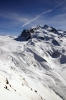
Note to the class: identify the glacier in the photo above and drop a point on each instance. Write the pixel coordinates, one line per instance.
(34, 65)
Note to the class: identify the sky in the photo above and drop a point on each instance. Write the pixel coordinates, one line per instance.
(16, 15)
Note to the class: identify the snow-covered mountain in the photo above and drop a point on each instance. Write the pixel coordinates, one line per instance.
(34, 69)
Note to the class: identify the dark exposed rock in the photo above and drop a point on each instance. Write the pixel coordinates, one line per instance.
(5, 87)
(45, 26)
(56, 54)
(53, 30)
(32, 30)
(42, 38)
(7, 82)
(55, 42)
(26, 34)
(63, 59)
(35, 91)
(64, 31)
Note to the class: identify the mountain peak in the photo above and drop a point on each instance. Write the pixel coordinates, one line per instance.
(27, 34)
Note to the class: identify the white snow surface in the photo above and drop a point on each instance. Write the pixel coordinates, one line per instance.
(35, 69)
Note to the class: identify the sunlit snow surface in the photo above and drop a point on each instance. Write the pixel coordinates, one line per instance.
(35, 69)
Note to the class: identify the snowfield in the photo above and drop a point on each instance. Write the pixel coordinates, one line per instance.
(33, 69)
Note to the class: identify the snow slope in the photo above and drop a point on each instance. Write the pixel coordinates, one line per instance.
(33, 69)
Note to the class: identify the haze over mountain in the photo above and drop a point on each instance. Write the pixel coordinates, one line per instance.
(33, 65)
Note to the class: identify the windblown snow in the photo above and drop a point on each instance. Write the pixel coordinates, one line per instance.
(34, 69)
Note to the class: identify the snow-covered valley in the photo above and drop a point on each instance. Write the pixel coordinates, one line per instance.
(34, 69)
